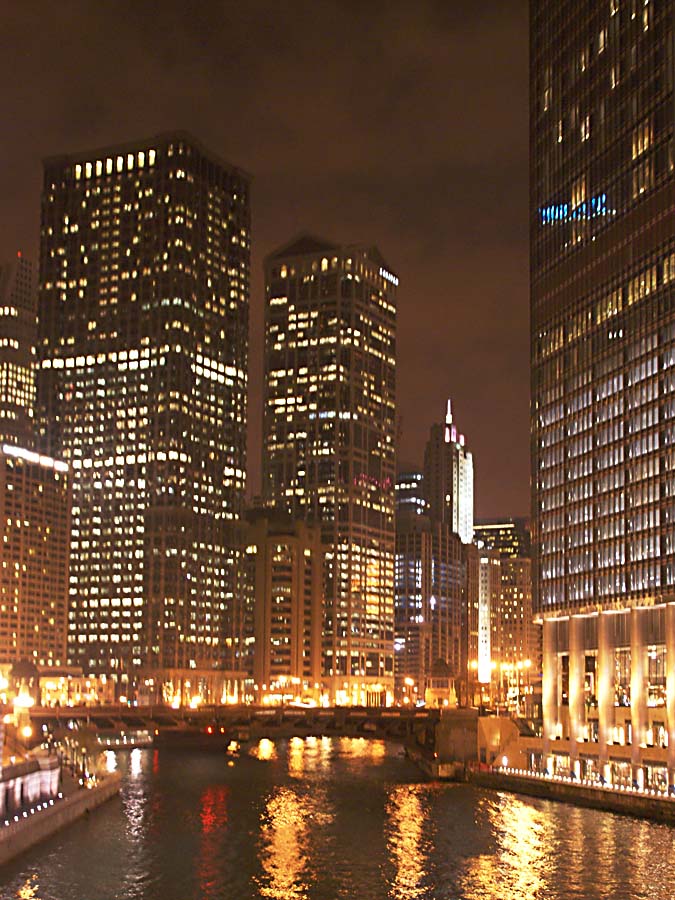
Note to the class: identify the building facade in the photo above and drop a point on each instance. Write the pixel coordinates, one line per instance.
(142, 355)
(430, 597)
(410, 493)
(34, 549)
(328, 441)
(515, 637)
(448, 478)
(283, 563)
(509, 537)
(602, 188)
(18, 333)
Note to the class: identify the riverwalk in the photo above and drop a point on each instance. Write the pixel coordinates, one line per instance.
(644, 803)
(37, 821)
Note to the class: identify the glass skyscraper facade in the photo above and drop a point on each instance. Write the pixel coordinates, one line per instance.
(328, 441)
(602, 194)
(142, 355)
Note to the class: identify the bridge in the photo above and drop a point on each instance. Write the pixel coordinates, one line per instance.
(216, 726)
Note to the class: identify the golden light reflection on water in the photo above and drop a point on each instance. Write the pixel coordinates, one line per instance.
(284, 847)
(28, 891)
(362, 748)
(406, 841)
(296, 757)
(264, 750)
(515, 867)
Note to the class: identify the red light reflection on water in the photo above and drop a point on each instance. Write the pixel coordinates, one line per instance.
(209, 863)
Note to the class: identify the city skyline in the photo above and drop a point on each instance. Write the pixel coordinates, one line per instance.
(337, 449)
(425, 207)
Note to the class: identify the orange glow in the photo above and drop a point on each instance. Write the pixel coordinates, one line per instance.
(407, 844)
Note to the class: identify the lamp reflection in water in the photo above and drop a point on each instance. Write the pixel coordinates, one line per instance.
(284, 839)
(407, 843)
(296, 757)
(136, 762)
(516, 868)
(264, 750)
(29, 890)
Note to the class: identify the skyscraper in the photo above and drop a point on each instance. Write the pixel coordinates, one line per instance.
(328, 432)
(18, 332)
(510, 537)
(410, 492)
(448, 478)
(283, 568)
(142, 353)
(430, 595)
(35, 497)
(603, 381)
(34, 544)
(515, 639)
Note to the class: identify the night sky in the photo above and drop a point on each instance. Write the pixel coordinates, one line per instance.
(402, 124)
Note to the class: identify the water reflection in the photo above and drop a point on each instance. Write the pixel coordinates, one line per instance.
(331, 819)
(135, 803)
(296, 757)
(284, 834)
(211, 872)
(514, 867)
(29, 890)
(136, 762)
(264, 750)
(407, 843)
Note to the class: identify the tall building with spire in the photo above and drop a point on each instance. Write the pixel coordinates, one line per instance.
(328, 441)
(430, 596)
(142, 355)
(448, 478)
(602, 190)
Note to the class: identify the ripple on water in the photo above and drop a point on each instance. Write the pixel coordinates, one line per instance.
(334, 819)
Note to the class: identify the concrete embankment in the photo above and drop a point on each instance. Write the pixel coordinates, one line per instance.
(43, 823)
(631, 803)
(433, 767)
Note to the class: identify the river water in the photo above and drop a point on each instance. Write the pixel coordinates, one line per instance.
(330, 818)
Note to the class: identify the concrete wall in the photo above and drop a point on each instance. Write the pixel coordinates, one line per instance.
(21, 835)
(498, 737)
(28, 783)
(661, 809)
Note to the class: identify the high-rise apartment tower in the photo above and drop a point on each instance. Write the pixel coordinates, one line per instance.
(142, 352)
(18, 332)
(329, 430)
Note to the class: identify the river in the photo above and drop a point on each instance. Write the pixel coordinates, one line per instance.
(330, 818)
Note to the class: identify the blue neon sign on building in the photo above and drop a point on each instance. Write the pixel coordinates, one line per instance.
(565, 212)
